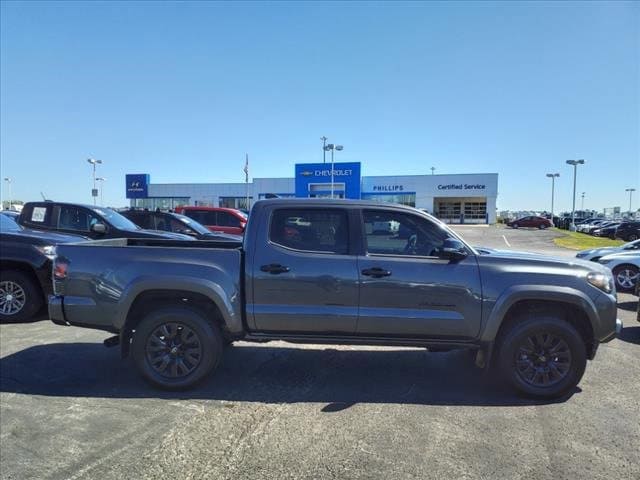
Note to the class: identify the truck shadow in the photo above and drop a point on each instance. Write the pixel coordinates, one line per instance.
(250, 373)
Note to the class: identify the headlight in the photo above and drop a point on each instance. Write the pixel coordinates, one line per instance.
(605, 261)
(48, 251)
(601, 280)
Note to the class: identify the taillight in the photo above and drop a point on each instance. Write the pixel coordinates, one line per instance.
(60, 267)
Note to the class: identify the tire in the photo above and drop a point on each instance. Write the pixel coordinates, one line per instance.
(626, 277)
(515, 225)
(517, 366)
(542, 226)
(631, 237)
(20, 296)
(150, 356)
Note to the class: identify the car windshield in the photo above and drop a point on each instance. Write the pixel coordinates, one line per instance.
(635, 245)
(8, 225)
(192, 224)
(116, 220)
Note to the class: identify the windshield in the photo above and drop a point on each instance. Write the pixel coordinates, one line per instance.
(192, 224)
(8, 225)
(635, 245)
(116, 220)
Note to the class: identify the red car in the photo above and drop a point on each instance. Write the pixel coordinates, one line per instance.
(531, 222)
(217, 219)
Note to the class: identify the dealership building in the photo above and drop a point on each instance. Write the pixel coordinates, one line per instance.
(457, 198)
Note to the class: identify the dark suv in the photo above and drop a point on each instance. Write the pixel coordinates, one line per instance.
(25, 268)
(86, 220)
(176, 223)
(628, 231)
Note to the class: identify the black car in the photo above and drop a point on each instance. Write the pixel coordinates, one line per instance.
(12, 214)
(628, 231)
(176, 223)
(608, 230)
(25, 268)
(86, 220)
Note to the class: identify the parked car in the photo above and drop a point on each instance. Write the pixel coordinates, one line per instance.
(625, 267)
(176, 223)
(531, 222)
(607, 230)
(217, 219)
(86, 220)
(25, 268)
(594, 254)
(536, 318)
(628, 231)
(12, 214)
(585, 225)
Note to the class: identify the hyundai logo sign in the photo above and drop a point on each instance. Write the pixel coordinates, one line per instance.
(137, 185)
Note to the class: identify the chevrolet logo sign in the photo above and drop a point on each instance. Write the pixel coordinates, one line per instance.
(307, 173)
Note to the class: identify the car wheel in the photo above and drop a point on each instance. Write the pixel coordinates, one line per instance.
(632, 237)
(174, 348)
(20, 296)
(626, 277)
(542, 357)
(515, 225)
(542, 226)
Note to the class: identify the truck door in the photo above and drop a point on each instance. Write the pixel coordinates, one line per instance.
(406, 289)
(305, 277)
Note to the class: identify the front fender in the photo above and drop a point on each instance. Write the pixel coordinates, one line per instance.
(224, 293)
(518, 293)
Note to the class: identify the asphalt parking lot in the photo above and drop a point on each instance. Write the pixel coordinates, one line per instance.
(71, 409)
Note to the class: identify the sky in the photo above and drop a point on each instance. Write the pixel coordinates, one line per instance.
(182, 90)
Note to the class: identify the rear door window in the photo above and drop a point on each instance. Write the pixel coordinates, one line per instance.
(76, 219)
(311, 230)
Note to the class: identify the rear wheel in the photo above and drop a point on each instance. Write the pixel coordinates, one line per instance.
(542, 357)
(632, 237)
(542, 226)
(515, 225)
(20, 296)
(626, 277)
(176, 347)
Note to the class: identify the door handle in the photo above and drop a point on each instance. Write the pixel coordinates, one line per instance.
(274, 268)
(376, 272)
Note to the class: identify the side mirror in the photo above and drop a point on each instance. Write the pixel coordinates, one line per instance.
(98, 228)
(453, 250)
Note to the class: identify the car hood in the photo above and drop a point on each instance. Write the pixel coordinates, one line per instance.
(598, 251)
(630, 255)
(536, 262)
(44, 237)
(164, 234)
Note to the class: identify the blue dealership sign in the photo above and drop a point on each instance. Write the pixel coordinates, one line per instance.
(314, 180)
(137, 185)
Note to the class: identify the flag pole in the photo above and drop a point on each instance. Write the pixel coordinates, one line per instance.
(246, 178)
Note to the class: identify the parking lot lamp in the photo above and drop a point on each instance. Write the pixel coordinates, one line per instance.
(630, 190)
(9, 181)
(575, 164)
(582, 203)
(94, 192)
(552, 176)
(101, 180)
(333, 148)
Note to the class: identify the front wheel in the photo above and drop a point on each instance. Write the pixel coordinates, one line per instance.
(626, 277)
(20, 296)
(174, 348)
(515, 225)
(542, 226)
(542, 357)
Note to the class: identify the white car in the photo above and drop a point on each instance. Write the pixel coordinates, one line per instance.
(594, 254)
(626, 269)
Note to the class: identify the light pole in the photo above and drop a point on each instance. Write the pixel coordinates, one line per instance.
(433, 169)
(553, 177)
(582, 203)
(9, 181)
(630, 190)
(575, 164)
(94, 192)
(333, 148)
(101, 180)
(324, 148)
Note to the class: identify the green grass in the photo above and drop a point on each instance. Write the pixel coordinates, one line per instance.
(582, 241)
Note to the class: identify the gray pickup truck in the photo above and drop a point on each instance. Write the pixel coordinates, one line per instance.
(338, 272)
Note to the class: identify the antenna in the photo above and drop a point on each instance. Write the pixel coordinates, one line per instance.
(43, 197)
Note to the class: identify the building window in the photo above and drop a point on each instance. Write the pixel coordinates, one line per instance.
(407, 198)
(163, 203)
(239, 203)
